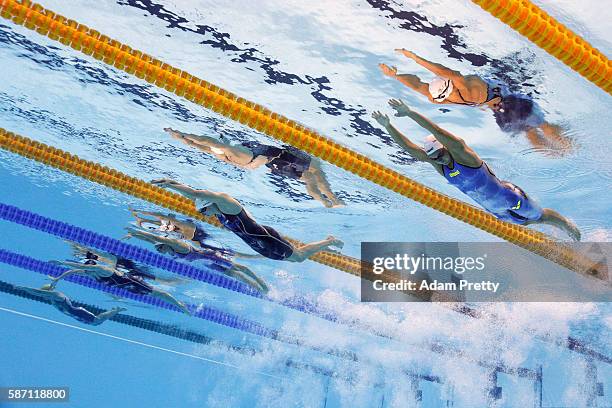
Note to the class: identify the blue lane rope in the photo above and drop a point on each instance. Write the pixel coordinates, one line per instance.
(200, 311)
(171, 330)
(203, 312)
(94, 240)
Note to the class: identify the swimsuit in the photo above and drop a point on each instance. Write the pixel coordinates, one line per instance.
(501, 198)
(215, 260)
(286, 161)
(79, 313)
(518, 113)
(127, 265)
(262, 239)
(129, 281)
(515, 113)
(494, 90)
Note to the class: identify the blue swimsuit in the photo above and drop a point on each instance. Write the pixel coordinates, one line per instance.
(501, 198)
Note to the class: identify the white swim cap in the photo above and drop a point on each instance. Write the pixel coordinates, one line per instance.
(440, 88)
(432, 145)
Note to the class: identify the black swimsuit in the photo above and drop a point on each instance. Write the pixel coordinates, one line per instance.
(262, 239)
(132, 280)
(79, 313)
(514, 113)
(128, 281)
(286, 161)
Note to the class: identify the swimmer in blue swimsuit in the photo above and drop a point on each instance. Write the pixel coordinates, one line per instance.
(285, 161)
(513, 112)
(216, 260)
(262, 239)
(464, 169)
(111, 276)
(62, 303)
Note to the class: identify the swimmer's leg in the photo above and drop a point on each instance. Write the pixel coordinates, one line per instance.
(322, 184)
(166, 297)
(244, 274)
(550, 138)
(551, 217)
(109, 314)
(305, 251)
(312, 189)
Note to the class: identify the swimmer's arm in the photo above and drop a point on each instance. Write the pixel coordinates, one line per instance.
(54, 281)
(33, 291)
(434, 67)
(257, 162)
(413, 149)
(449, 140)
(247, 256)
(183, 189)
(455, 145)
(414, 82)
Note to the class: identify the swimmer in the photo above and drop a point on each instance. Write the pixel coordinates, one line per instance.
(62, 303)
(113, 277)
(262, 239)
(170, 226)
(513, 112)
(285, 161)
(90, 256)
(464, 169)
(178, 248)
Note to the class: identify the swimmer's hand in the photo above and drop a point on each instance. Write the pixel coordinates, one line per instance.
(406, 53)
(174, 133)
(381, 118)
(387, 70)
(401, 109)
(163, 182)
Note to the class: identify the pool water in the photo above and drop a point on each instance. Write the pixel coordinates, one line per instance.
(315, 62)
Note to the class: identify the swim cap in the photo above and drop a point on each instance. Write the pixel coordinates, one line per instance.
(432, 145)
(440, 88)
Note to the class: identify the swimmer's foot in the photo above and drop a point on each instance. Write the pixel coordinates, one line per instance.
(573, 231)
(174, 134)
(184, 308)
(337, 203)
(335, 242)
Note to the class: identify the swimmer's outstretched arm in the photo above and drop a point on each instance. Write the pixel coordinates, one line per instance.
(225, 202)
(153, 238)
(55, 281)
(414, 150)
(411, 81)
(434, 67)
(47, 294)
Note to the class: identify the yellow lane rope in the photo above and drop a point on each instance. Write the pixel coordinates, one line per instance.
(255, 116)
(555, 38)
(136, 187)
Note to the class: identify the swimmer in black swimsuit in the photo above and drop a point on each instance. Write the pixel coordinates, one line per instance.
(114, 277)
(222, 262)
(284, 161)
(262, 239)
(513, 112)
(62, 303)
